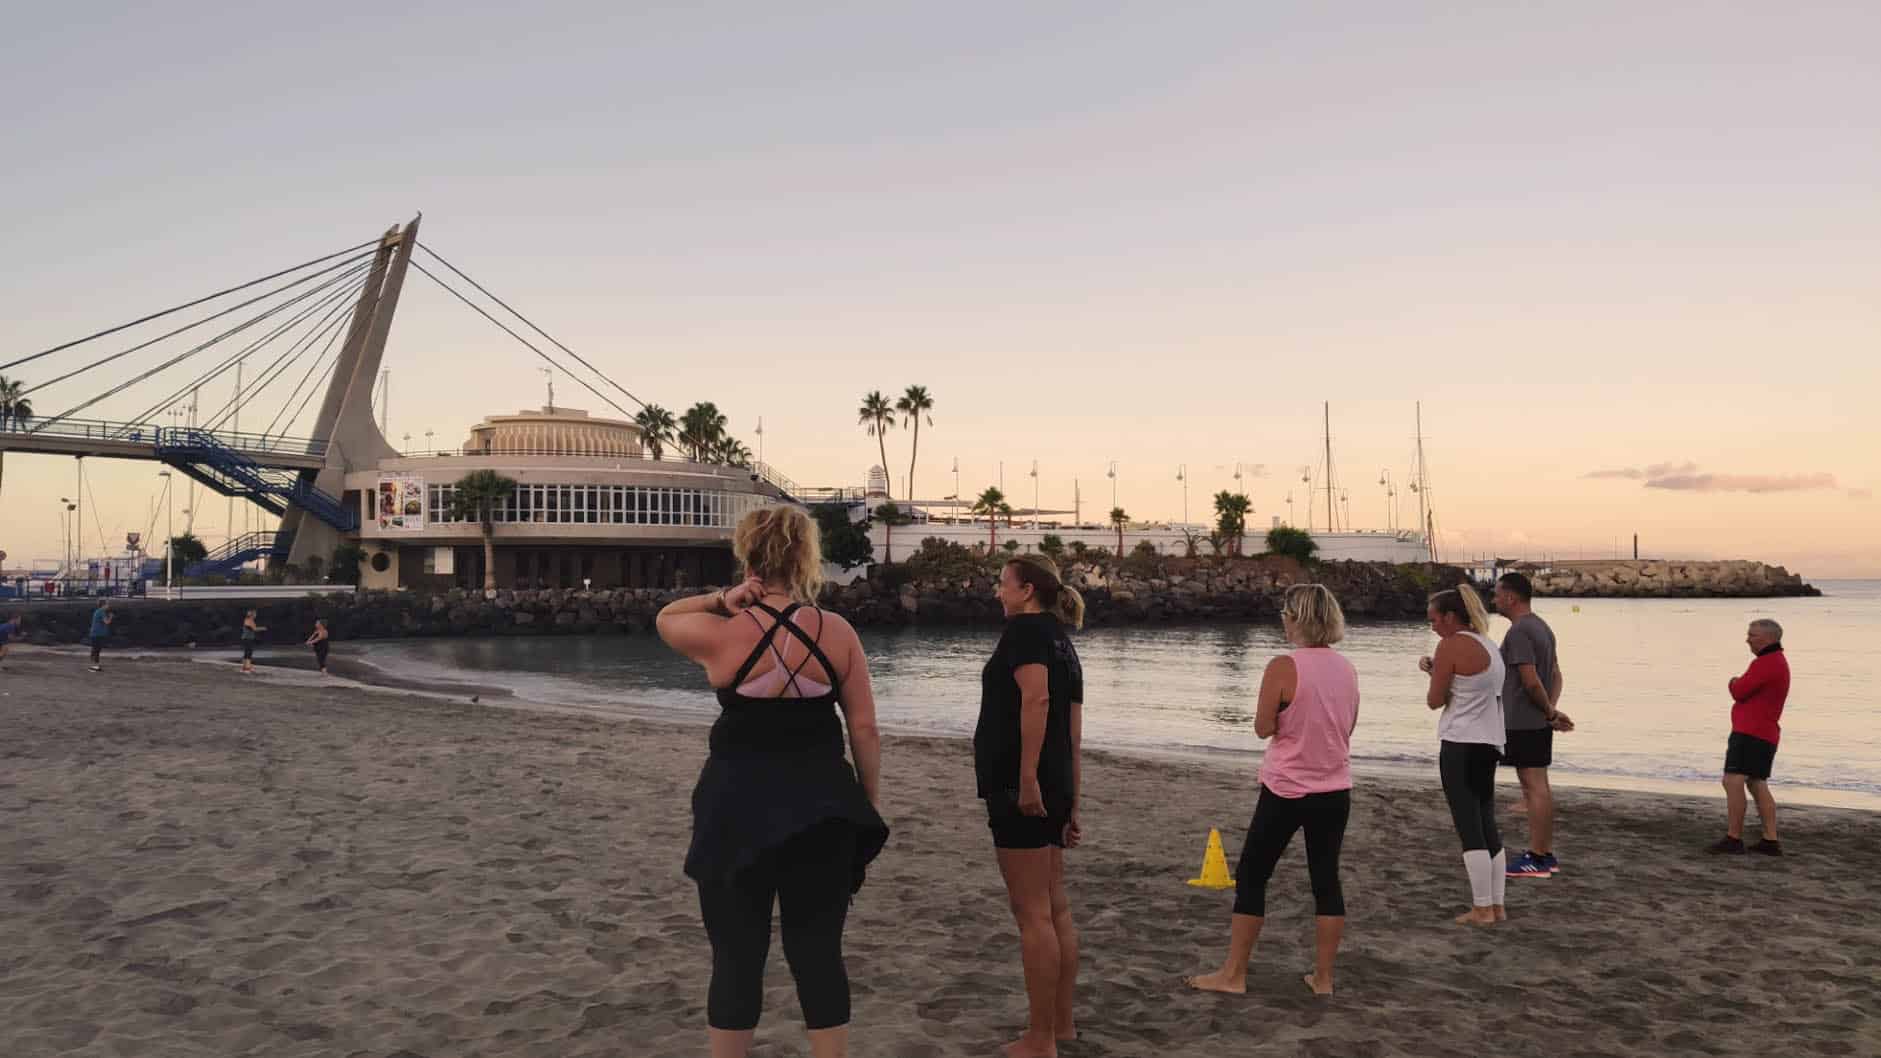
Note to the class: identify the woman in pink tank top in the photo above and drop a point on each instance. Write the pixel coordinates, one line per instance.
(1309, 702)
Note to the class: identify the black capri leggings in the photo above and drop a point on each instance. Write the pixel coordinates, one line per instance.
(1469, 784)
(810, 876)
(1323, 816)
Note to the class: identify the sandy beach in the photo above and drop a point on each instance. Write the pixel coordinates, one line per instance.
(194, 863)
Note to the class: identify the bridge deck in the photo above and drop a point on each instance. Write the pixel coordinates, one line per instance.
(119, 440)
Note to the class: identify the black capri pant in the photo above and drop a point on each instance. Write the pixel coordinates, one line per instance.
(810, 877)
(1323, 816)
(1469, 784)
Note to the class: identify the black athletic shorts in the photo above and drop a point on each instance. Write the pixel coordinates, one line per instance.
(1013, 829)
(1748, 755)
(1528, 749)
(248, 650)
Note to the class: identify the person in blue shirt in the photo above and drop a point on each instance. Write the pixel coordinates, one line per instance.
(100, 631)
(8, 629)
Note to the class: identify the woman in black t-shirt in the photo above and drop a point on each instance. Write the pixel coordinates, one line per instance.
(1025, 758)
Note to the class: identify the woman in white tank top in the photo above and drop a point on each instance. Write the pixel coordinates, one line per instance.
(1466, 684)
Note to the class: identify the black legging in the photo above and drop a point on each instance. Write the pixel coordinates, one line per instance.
(810, 876)
(1323, 815)
(1469, 784)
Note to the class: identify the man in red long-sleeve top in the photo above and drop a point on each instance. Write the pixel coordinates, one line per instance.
(1757, 699)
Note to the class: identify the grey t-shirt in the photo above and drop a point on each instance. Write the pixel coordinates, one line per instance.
(1529, 642)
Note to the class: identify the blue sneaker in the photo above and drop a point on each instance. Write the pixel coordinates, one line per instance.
(1554, 865)
(1528, 865)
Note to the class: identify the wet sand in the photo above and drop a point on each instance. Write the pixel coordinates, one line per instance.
(197, 863)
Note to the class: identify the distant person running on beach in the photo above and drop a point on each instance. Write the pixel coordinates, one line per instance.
(321, 642)
(1531, 688)
(250, 631)
(1466, 683)
(1308, 706)
(8, 630)
(779, 816)
(1757, 699)
(101, 619)
(1026, 746)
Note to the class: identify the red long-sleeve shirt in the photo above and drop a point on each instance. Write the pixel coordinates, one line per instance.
(1758, 695)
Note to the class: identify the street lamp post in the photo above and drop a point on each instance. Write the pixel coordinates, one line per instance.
(1182, 475)
(1391, 499)
(169, 544)
(1112, 475)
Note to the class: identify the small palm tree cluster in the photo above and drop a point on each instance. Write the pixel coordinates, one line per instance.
(991, 503)
(700, 434)
(877, 416)
(15, 410)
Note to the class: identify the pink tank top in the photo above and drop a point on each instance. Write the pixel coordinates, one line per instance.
(1311, 751)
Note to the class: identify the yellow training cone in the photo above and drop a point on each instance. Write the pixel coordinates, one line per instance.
(1214, 865)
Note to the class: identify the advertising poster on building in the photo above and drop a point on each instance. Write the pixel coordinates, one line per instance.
(401, 504)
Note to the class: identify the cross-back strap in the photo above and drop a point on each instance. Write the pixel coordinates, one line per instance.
(781, 619)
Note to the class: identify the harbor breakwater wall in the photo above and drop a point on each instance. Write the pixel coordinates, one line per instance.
(1170, 590)
(1661, 579)
(1162, 590)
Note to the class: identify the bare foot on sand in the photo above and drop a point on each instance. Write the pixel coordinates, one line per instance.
(1025, 1048)
(1320, 988)
(1477, 916)
(1219, 981)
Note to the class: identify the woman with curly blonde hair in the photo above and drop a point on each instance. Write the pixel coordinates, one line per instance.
(779, 814)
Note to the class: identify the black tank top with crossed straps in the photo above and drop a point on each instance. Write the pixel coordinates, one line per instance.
(776, 768)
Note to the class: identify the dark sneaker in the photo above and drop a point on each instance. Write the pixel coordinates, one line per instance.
(1730, 845)
(1528, 865)
(1767, 847)
(1553, 865)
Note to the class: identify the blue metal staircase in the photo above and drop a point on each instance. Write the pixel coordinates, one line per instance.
(239, 552)
(200, 455)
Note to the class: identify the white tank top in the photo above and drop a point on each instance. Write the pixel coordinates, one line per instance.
(1475, 710)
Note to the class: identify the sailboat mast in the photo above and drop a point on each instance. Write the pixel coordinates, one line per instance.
(1331, 524)
(1423, 489)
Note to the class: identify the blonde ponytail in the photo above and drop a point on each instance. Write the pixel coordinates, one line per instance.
(1054, 596)
(1463, 603)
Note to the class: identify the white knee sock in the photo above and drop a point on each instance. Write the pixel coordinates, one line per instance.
(1499, 876)
(1482, 891)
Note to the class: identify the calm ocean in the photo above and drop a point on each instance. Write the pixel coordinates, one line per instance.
(1645, 685)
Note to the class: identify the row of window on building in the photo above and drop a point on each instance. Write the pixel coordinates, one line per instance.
(610, 505)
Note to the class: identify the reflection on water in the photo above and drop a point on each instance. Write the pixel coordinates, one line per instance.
(1645, 683)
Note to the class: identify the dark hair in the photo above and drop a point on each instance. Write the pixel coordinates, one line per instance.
(1053, 594)
(1518, 584)
(1462, 603)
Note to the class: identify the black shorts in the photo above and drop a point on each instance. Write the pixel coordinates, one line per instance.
(1528, 749)
(1013, 829)
(248, 650)
(1748, 755)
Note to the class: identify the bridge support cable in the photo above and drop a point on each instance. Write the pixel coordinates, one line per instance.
(179, 358)
(190, 304)
(338, 305)
(527, 322)
(191, 326)
(319, 358)
(321, 381)
(531, 346)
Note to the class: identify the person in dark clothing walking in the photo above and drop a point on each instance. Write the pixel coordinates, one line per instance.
(101, 619)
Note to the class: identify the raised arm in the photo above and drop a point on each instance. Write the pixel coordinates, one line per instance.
(1278, 683)
(865, 739)
(691, 625)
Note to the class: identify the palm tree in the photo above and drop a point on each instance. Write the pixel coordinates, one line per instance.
(890, 516)
(913, 406)
(475, 496)
(13, 407)
(990, 503)
(731, 452)
(1231, 518)
(656, 428)
(877, 417)
(700, 428)
(1119, 519)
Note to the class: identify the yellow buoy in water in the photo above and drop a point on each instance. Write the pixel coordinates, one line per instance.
(1214, 865)
(1577, 609)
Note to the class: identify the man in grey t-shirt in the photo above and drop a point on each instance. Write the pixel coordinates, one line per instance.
(1530, 690)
